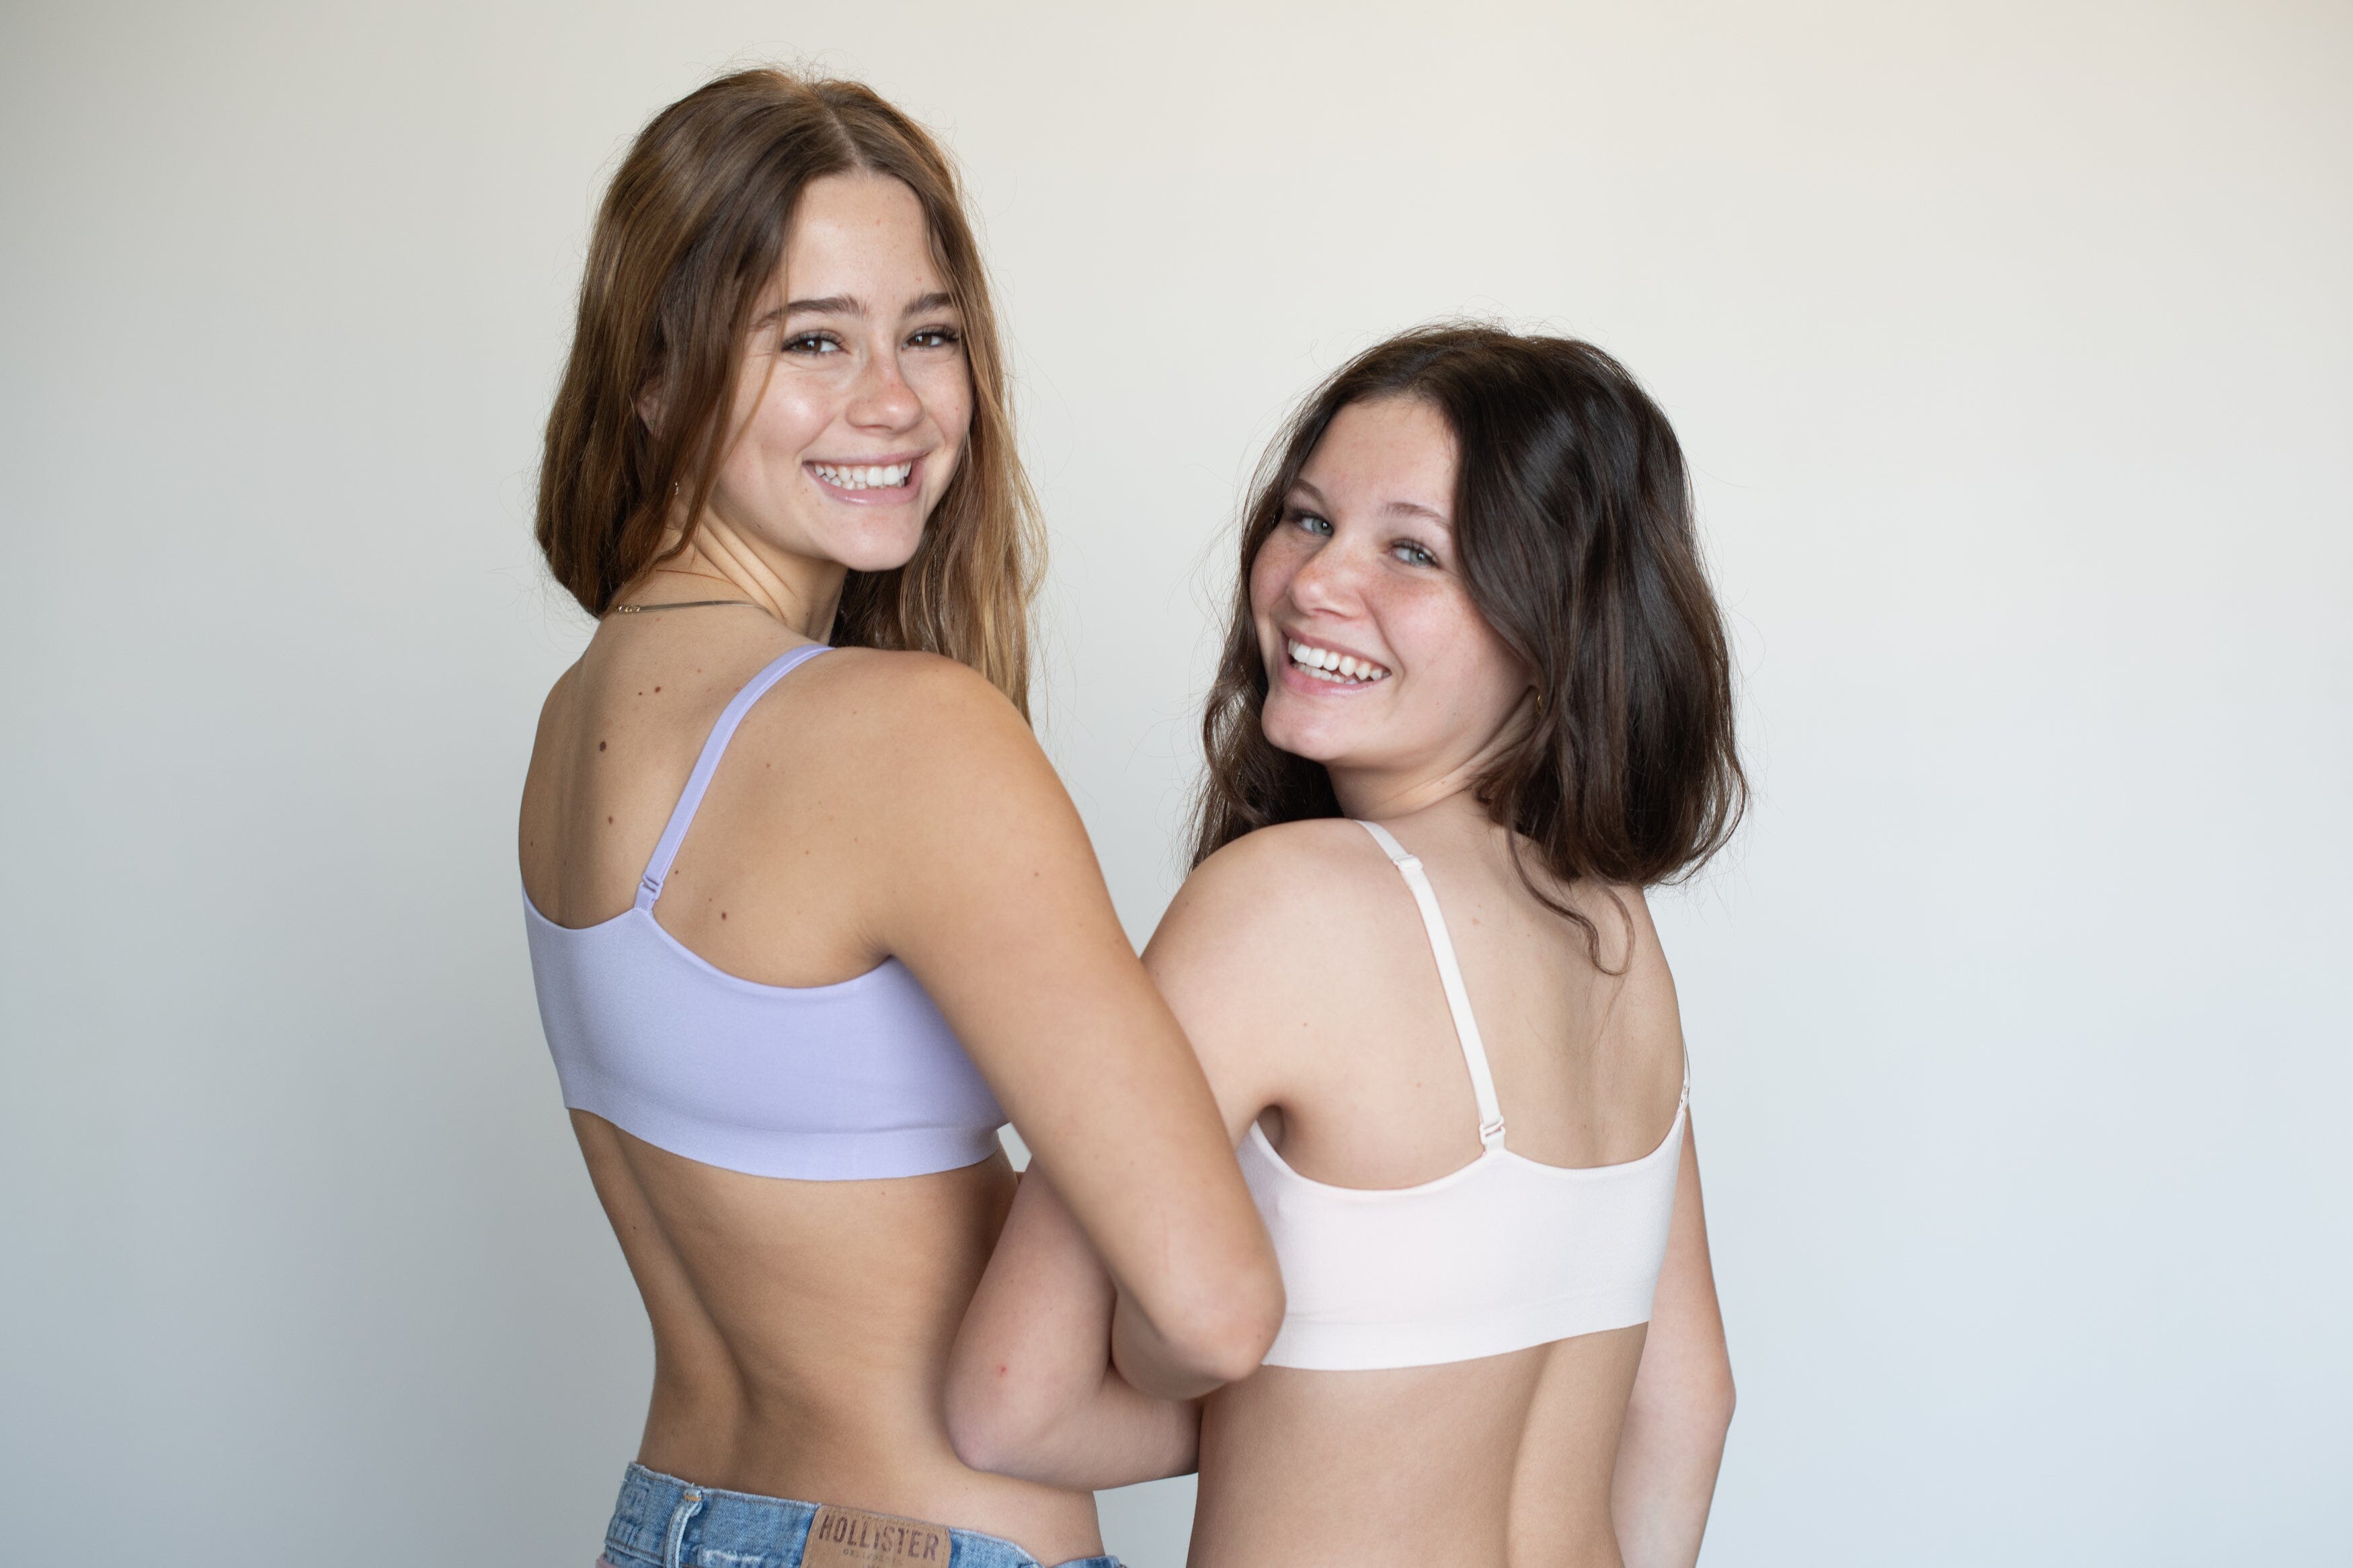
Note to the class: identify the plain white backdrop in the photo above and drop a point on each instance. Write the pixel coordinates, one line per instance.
(2013, 344)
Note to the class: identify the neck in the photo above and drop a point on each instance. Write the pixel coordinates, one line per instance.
(803, 591)
(1383, 797)
(1385, 794)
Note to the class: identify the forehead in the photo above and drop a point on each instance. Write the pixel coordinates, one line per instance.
(1385, 450)
(861, 229)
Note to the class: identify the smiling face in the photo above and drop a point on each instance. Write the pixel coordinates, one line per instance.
(1378, 665)
(854, 398)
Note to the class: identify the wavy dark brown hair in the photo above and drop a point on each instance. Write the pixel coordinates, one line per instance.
(692, 230)
(1573, 525)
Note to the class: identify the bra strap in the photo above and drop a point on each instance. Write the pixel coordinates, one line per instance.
(682, 816)
(1449, 975)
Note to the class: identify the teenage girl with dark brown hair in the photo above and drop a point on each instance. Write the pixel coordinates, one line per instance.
(1471, 617)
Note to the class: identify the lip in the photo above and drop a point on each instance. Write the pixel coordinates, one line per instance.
(890, 497)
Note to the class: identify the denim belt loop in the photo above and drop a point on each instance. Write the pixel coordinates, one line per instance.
(674, 1547)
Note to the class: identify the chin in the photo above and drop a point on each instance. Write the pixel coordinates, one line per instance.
(1311, 743)
(879, 551)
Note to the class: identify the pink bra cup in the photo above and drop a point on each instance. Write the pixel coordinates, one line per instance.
(1502, 1254)
(822, 1083)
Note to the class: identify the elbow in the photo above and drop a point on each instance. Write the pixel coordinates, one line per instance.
(1224, 1336)
(1715, 1395)
(990, 1426)
(979, 1443)
(1708, 1401)
(1695, 1403)
(1715, 1403)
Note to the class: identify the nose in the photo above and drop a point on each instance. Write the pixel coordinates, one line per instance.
(1326, 581)
(881, 399)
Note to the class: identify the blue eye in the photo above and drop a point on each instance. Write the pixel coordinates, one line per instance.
(1313, 524)
(1412, 554)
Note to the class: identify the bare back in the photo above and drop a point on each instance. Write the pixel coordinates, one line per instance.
(801, 1328)
(1305, 976)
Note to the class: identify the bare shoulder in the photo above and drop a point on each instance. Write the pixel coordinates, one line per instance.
(556, 713)
(1283, 935)
(1290, 877)
(1643, 1010)
(1630, 936)
(922, 785)
(904, 727)
(558, 707)
(884, 693)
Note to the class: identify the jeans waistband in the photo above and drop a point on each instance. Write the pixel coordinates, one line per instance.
(661, 1522)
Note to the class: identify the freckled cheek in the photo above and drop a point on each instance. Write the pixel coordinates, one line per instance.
(1269, 576)
(794, 418)
(945, 393)
(1272, 572)
(1480, 673)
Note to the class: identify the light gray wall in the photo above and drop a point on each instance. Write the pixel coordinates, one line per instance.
(2014, 345)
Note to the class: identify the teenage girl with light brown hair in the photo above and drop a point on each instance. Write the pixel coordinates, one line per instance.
(806, 905)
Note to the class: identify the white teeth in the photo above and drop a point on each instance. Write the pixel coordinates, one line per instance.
(865, 477)
(1339, 668)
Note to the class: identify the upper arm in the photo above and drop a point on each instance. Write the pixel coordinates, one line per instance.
(985, 888)
(1685, 1339)
(1255, 955)
(1684, 1361)
(535, 839)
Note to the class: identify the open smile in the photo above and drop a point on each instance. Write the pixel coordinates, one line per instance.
(890, 479)
(1330, 667)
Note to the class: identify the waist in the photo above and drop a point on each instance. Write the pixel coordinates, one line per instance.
(1529, 1448)
(802, 1332)
(662, 1521)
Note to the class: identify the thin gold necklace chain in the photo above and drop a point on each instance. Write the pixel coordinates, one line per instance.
(687, 604)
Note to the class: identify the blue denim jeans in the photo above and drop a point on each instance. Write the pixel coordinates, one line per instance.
(664, 1522)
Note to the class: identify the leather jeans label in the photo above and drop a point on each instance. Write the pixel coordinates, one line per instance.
(844, 1537)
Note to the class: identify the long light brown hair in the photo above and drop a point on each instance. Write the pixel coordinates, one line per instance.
(692, 230)
(1573, 523)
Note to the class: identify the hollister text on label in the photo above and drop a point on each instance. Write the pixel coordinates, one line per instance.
(841, 1538)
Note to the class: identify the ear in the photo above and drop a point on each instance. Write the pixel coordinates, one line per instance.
(651, 405)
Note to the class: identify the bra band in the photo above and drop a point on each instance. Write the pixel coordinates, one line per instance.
(1449, 975)
(863, 1079)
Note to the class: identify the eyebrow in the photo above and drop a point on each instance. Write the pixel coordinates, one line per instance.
(1410, 509)
(851, 305)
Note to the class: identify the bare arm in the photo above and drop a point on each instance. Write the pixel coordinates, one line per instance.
(1672, 1440)
(1035, 1388)
(1031, 1391)
(987, 889)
